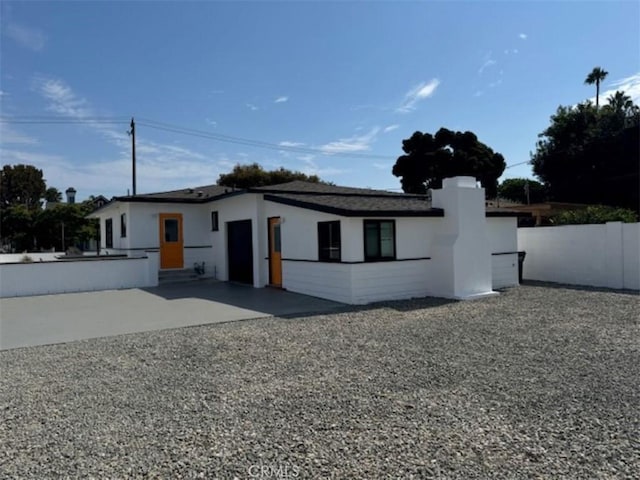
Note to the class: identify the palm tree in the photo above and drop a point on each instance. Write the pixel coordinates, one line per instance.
(620, 102)
(596, 76)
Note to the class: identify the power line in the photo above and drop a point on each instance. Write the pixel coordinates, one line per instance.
(253, 143)
(516, 164)
(35, 120)
(154, 124)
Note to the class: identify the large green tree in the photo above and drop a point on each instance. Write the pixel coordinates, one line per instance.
(430, 158)
(25, 225)
(253, 175)
(53, 195)
(516, 189)
(21, 185)
(592, 155)
(596, 76)
(17, 228)
(64, 225)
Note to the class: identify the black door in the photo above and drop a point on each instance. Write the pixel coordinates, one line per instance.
(240, 251)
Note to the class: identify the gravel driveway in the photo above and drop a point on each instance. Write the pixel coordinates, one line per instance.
(539, 382)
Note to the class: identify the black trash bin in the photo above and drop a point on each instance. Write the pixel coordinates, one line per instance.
(521, 256)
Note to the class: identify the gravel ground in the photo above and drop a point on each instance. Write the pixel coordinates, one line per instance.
(539, 382)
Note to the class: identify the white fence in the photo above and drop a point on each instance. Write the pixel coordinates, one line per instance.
(78, 275)
(596, 255)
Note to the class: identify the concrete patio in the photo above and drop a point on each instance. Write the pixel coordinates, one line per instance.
(48, 319)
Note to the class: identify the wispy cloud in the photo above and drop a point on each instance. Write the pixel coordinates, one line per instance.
(419, 92)
(62, 99)
(252, 107)
(382, 166)
(629, 85)
(27, 37)
(281, 100)
(489, 62)
(356, 143)
(213, 123)
(3, 93)
(523, 36)
(290, 144)
(513, 51)
(390, 128)
(311, 167)
(10, 136)
(159, 164)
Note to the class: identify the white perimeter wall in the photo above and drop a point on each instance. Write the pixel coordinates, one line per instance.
(596, 255)
(35, 256)
(41, 278)
(503, 241)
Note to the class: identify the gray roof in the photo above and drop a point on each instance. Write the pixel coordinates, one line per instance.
(344, 201)
(298, 186)
(185, 195)
(360, 205)
(349, 201)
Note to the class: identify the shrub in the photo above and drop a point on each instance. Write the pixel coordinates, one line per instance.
(595, 214)
(26, 259)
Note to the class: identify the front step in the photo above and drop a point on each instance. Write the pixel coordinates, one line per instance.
(177, 276)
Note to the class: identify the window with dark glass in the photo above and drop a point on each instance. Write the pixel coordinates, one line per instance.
(123, 225)
(108, 232)
(329, 241)
(379, 240)
(277, 247)
(171, 234)
(214, 221)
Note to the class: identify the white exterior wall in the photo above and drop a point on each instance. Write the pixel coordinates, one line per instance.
(354, 283)
(503, 240)
(595, 255)
(41, 278)
(240, 207)
(143, 230)
(319, 279)
(299, 241)
(374, 282)
(358, 283)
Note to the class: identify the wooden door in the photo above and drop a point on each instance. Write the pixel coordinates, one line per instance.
(171, 241)
(240, 251)
(275, 252)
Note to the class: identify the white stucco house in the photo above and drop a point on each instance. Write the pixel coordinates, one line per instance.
(346, 244)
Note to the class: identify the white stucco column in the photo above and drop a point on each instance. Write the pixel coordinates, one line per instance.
(461, 256)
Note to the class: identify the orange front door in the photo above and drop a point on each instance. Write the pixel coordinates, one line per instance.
(171, 242)
(275, 252)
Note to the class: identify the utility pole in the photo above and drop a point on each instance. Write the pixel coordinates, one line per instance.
(132, 133)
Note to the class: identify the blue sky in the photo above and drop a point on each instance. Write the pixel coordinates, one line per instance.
(342, 82)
